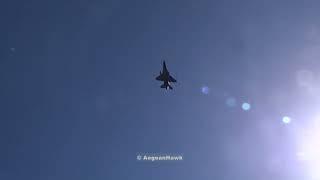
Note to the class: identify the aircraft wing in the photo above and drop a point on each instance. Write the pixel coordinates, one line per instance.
(160, 77)
(171, 79)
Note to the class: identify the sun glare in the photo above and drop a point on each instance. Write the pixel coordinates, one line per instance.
(309, 153)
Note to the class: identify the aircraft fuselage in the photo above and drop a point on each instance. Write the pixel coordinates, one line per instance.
(165, 77)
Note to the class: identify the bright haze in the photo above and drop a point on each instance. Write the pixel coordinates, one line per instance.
(79, 99)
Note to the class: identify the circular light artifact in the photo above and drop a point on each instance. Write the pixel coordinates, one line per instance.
(231, 102)
(205, 90)
(246, 106)
(286, 119)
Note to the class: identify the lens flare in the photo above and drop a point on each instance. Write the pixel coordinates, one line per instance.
(246, 106)
(205, 90)
(286, 120)
(231, 102)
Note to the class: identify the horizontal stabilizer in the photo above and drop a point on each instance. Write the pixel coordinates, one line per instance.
(171, 79)
(166, 86)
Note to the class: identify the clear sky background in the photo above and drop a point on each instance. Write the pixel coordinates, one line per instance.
(79, 98)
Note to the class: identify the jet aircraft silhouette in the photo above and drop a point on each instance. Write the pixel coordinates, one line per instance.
(165, 77)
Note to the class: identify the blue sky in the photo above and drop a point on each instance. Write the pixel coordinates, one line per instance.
(79, 98)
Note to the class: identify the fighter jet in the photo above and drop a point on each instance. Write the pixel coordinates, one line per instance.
(165, 77)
